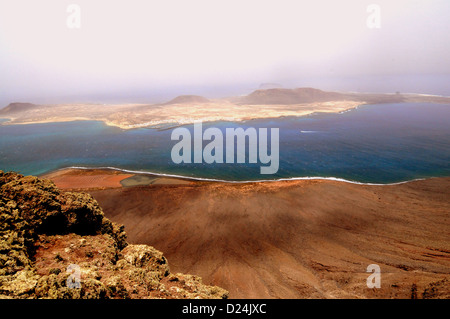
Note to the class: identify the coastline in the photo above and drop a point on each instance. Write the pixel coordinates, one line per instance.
(202, 113)
(78, 170)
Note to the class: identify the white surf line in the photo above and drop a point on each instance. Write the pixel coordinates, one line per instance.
(337, 179)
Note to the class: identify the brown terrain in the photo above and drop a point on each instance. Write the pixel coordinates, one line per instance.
(185, 109)
(293, 239)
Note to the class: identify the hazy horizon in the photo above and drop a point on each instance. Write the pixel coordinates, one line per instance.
(149, 51)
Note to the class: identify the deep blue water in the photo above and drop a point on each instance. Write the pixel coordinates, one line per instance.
(375, 143)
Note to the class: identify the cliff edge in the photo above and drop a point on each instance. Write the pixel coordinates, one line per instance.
(56, 244)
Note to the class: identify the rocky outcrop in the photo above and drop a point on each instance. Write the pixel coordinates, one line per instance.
(56, 244)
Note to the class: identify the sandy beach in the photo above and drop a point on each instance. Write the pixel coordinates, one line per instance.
(287, 239)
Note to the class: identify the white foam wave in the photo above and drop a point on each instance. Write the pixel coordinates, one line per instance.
(242, 182)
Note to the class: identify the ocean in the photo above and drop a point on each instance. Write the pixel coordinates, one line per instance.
(385, 143)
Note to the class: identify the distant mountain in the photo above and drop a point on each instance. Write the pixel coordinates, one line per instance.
(17, 107)
(182, 99)
(290, 96)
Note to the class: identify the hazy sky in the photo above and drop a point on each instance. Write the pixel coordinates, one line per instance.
(143, 47)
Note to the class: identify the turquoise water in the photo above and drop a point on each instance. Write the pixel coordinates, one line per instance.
(372, 144)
